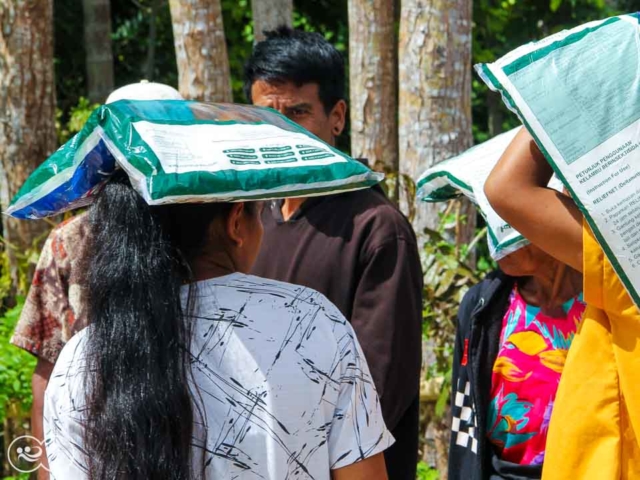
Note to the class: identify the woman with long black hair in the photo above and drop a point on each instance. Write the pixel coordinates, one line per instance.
(192, 369)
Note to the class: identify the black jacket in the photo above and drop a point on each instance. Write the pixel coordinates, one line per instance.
(471, 455)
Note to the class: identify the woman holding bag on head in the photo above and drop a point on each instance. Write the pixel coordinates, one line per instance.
(190, 368)
(595, 425)
(514, 329)
(54, 308)
(199, 370)
(513, 333)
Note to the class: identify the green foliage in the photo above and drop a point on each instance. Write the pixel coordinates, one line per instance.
(336, 32)
(425, 472)
(447, 278)
(69, 61)
(238, 30)
(21, 476)
(80, 114)
(131, 23)
(16, 366)
(132, 42)
(26, 260)
(77, 117)
(500, 26)
(555, 5)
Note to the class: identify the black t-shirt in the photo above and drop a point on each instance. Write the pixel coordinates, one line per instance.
(359, 251)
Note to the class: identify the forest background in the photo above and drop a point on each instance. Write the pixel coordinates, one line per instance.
(414, 101)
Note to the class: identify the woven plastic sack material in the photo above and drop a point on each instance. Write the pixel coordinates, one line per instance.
(578, 93)
(179, 151)
(466, 175)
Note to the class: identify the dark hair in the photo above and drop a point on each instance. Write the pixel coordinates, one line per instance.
(139, 404)
(289, 55)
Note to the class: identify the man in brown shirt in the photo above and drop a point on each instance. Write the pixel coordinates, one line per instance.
(356, 248)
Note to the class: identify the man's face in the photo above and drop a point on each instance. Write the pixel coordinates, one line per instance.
(302, 105)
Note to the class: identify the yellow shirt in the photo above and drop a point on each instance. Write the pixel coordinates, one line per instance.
(596, 417)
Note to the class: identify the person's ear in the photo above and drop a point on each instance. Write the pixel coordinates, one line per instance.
(338, 117)
(234, 224)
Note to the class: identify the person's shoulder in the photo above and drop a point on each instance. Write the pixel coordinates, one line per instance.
(65, 242)
(470, 302)
(284, 292)
(74, 349)
(474, 294)
(368, 199)
(256, 284)
(378, 217)
(74, 223)
(71, 229)
(484, 292)
(490, 284)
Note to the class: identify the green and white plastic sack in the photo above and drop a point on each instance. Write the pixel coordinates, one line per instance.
(578, 94)
(177, 151)
(466, 174)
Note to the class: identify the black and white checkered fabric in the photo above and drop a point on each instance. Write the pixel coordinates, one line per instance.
(464, 425)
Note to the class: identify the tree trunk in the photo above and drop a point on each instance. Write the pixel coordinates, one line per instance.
(150, 63)
(97, 44)
(434, 92)
(373, 83)
(201, 50)
(269, 15)
(434, 116)
(27, 109)
(442, 428)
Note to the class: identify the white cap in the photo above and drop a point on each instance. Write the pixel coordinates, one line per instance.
(144, 90)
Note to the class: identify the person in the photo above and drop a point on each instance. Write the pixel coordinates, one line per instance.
(514, 330)
(356, 248)
(595, 425)
(191, 368)
(54, 308)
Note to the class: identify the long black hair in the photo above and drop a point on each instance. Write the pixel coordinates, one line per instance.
(140, 409)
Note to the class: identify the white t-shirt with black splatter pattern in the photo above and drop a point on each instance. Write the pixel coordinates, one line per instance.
(284, 384)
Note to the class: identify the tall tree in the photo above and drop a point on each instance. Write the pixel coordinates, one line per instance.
(434, 116)
(373, 83)
(434, 90)
(149, 64)
(27, 109)
(97, 44)
(201, 50)
(270, 14)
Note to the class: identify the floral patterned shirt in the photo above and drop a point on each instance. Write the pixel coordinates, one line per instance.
(526, 374)
(53, 311)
